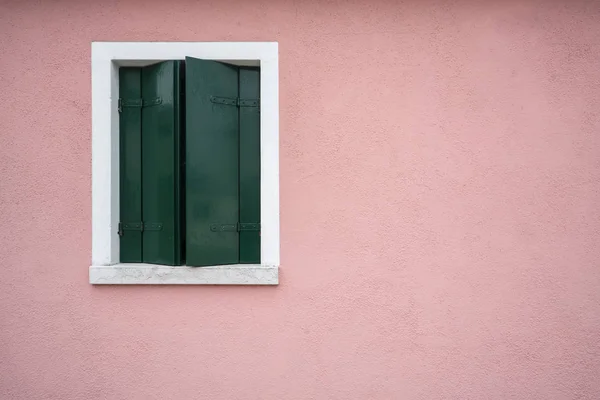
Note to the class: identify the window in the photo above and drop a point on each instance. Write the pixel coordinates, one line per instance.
(189, 163)
(185, 163)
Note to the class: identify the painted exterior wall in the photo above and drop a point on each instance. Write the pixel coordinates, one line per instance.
(440, 198)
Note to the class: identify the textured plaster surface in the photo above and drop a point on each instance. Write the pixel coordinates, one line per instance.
(440, 208)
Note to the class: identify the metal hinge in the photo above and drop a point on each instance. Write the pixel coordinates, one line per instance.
(139, 226)
(239, 227)
(138, 102)
(230, 101)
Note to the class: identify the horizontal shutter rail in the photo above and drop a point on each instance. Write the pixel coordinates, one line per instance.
(248, 102)
(224, 100)
(139, 226)
(139, 103)
(223, 227)
(230, 101)
(153, 226)
(248, 226)
(131, 226)
(239, 227)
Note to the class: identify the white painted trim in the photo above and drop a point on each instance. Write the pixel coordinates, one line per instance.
(106, 59)
(146, 274)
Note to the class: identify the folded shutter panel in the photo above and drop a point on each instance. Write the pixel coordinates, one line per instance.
(161, 164)
(212, 163)
(250, 165)
(130, 165)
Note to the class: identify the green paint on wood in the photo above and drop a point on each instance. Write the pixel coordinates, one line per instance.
(161, 164)
(192, 197)
(249, 83)
(212, 163)
(130, 155)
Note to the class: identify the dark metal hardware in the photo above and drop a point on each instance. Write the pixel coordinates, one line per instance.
(139, 102)
(229, 101)
(240, 227)
(153, 226)
(139, 226)
(247, 102)
(248, 226)
(223, 228)
(223, 100)
(130, 226)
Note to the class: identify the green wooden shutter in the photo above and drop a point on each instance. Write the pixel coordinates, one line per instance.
(212, 163)
(249, 83)
(161, 242)
(130, 155)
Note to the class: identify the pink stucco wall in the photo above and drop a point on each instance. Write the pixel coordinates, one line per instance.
(440, 208)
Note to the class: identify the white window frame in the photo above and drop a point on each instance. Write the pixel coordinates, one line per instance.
(107, 57)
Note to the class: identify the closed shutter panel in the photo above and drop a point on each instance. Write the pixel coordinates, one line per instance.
(212, 163)
(249, 83)
(161, 164)
(130, 156)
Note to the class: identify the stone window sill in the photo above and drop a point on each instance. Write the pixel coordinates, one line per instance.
(149, 274)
